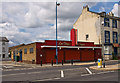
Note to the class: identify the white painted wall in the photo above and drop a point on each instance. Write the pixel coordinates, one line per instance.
(6, 49)
(86, 24)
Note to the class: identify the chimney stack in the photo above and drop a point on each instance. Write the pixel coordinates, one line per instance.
(110, 14)
(86, 8)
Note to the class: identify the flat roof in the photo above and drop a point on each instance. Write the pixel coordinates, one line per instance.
(70, 46)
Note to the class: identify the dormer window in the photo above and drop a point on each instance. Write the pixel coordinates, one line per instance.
(106, 22)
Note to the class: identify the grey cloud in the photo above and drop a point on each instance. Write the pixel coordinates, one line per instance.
(35, 17)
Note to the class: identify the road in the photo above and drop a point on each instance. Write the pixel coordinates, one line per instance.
(71, 73)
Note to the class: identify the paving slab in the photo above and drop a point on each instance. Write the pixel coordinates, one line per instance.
(107, 67)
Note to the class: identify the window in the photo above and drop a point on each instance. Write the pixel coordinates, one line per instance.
(25, 51)
(106, 22)
(17, 51)
(3, 55)
(114, 23)
(115, 38)
(3, 49)
(13, 52)
(3, 43)
(20, 51)
(107, 37)
(31, 50)
(87, 36)
(106, 49)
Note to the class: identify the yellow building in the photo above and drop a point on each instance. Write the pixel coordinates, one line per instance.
(90, 25)
(26, 53)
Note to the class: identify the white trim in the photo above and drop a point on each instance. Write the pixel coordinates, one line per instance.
(69, 47)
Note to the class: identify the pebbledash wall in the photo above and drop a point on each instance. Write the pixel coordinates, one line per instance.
(67, 51)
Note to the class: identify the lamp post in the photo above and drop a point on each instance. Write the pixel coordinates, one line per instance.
(102, 41)
(57, 4)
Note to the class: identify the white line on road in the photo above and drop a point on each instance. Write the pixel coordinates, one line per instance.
(105, 72)
(48, 79)
(89, 71)
(86, 74)
(12, 74)
(19, 74)
(33, 72)
(17, 69)
(8, 66)
(97, 73)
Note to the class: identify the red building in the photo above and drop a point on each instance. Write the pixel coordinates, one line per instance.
(67, 51)
(83, 51)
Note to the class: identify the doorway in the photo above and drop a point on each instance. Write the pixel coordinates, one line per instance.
(115, 51)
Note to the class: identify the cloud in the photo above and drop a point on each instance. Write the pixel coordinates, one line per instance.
(102, 9)
(115, 9)
(12, 33)
(25, 22)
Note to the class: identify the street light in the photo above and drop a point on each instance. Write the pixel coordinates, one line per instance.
(102, 41)
(57, 4)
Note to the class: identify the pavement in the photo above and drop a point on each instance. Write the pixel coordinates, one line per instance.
(43, 65)
(93, 65)
(107, 67)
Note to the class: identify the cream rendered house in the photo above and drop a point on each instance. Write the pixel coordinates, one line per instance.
(98, 28)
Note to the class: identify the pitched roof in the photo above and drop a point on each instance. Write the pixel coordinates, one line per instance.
(103, 14)
(16, 46)
(4, 39)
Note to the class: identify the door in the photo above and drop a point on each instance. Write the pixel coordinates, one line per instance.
(97, 53)
(14, 55)
(20, 59)
(115, 51)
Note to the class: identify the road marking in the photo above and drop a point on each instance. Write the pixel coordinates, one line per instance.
(62, 73)
(33, 72)
(48, 79)
(85, 74)
(17, 69)
(97, 73)
(105, 72)
(20, 74)
(12, 74)
(89, 71)
(8, 66)
(56, 78)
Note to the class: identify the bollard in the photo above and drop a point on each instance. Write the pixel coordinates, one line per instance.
(41, 62)
(62, 62)
(99, 63)
(103, 65)
(72, 62)
(52, 62)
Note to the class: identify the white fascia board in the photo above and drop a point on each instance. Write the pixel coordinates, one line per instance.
(70, 47)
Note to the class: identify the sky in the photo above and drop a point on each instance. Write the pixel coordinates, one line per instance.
(27, 22)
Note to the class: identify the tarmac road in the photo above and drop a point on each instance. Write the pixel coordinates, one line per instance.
(71, 73)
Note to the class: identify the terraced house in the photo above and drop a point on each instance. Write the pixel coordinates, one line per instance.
(99, 27)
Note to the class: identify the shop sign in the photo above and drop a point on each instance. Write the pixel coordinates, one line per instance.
(63, 43)
(81, 44)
